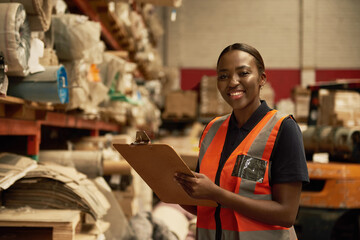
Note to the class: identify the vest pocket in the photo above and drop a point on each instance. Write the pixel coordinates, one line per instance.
(249, 168)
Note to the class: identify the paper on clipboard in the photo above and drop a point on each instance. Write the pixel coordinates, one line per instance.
(156, 164)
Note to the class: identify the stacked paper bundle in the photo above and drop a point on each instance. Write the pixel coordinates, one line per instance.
(56, 187)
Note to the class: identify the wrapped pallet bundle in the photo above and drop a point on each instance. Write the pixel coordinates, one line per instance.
(38, 13)
(15, 38)
(86, 88)
(74, 36)
(79, 91)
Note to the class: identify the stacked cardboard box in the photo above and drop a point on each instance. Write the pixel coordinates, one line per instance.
(181, 104)
(211, 101)
(301, 98)
(339, 108)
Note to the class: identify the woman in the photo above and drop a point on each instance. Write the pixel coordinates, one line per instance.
(251, 162)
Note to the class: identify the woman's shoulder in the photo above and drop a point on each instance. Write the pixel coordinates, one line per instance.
(289, 125)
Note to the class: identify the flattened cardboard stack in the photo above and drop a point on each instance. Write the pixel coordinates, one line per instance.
(50, 199)
(13, 167)
(56, 187)
(211, 102)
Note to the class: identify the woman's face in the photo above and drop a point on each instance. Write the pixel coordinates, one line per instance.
(239, 81)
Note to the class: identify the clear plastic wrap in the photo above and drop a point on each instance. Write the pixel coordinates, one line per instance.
(250, 168)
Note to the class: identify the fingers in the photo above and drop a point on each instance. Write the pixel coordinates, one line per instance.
(186, 181)
(184, 178)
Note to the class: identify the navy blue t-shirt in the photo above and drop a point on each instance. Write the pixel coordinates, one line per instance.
(288, 162)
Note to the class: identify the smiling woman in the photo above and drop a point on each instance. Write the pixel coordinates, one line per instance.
(251, 162)
(240, 77)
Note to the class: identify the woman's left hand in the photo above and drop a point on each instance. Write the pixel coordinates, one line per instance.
(199, 186)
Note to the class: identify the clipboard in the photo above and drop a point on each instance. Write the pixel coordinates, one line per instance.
(156, 164)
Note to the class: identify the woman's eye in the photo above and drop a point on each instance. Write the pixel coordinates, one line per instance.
(222, 77)
(243, 74)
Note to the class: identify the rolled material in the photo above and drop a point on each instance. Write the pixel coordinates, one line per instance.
(342, 143)
(48, 86)
(88, 162)
(15, 38)
(38, 12)
(120, 167)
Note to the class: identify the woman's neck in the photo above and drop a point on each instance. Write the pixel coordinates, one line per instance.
(243, 115)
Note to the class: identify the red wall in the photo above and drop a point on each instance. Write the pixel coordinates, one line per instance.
(324, 75)
(191, 77)
(281, 80)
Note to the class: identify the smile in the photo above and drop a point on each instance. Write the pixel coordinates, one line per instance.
(237, 93)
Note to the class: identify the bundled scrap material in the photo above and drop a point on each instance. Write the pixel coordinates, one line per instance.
(15, 38)
(13, 167)
(87, 90)
(57, 187)
(153, 23)
(79, 92)
(78, 46)
(38, 13)
(74, 36)
(117, 73)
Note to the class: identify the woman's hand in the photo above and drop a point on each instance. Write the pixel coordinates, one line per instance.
(281, 210)
(199, 186)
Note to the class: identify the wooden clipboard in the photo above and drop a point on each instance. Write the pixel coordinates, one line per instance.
(156, 164)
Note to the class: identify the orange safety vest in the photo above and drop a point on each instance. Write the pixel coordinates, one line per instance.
(246, 172)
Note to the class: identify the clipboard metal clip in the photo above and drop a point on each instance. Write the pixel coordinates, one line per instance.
(141, 138)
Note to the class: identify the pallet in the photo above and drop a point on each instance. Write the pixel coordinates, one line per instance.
(38, 224)
(17, 108)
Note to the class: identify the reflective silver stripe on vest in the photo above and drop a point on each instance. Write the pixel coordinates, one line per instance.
(205, 234)
(210, 135)
(256, 150)
(247, 188)
(286, 234)
(209, 234)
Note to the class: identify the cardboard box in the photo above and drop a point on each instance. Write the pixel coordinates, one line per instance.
(181, 104)
(339, 108)
(211, 102)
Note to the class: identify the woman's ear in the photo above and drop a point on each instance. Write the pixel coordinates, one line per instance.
(262, 80)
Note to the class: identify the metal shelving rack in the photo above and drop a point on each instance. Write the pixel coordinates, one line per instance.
(22, 118)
